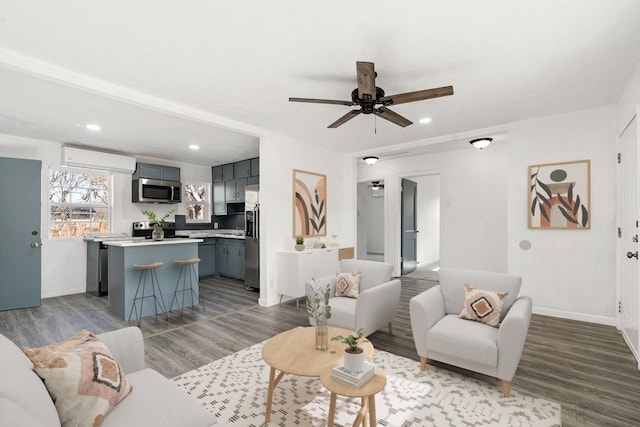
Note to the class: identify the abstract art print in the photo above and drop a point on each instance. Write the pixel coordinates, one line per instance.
(560, 195)
(309, 204)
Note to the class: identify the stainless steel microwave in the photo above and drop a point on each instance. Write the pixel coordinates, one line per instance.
(155, 191)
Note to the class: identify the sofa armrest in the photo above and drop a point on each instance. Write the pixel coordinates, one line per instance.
(425, 310)
(310, 286)
(377, 306)
(127, 347)
(511, 337)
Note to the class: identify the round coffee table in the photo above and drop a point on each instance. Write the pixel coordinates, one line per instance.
(294, 352)
(367, 393)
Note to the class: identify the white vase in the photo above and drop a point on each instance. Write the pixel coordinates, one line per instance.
(353, 362)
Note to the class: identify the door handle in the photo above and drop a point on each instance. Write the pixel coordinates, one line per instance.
(35, 244)
(632, 254)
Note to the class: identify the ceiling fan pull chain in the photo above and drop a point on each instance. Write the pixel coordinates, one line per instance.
(375, 125)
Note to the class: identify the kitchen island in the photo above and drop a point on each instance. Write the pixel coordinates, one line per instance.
(123, 278)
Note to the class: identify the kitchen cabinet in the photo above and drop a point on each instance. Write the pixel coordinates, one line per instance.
(160, 172)
(223, 173)
(255, 166)
(295, 268)
(229, 181)
(207, 255)
(234, 190)
(230, 257)
(242, 169)
(219, 199)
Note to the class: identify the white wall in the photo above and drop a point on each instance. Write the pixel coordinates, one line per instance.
(473, 204)
(568, 273)
(375, 221)
(278, 157)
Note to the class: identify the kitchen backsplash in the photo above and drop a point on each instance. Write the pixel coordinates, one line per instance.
(233, 222)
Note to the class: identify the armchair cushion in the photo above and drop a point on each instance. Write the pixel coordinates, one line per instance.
(347, 284)
(482, 306)
(472, 341)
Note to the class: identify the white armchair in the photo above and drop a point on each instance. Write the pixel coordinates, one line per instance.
(377, 301)
(440, 334)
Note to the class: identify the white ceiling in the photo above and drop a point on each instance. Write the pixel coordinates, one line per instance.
(159, 75)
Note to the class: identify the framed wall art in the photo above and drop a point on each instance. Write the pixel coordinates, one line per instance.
(560, 195)
(309, 204)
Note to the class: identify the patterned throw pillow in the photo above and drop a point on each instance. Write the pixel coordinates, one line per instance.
(82, 377)
(347, 284)
(482, 306)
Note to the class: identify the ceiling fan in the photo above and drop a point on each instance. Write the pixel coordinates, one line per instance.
(372, 99)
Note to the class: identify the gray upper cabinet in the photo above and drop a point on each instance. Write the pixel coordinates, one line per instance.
(229, 181)
(223, 173)
(255, 166)
(242, 169)
(150, 171)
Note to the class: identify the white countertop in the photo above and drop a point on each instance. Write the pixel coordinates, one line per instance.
(201, 234)
(150, 242)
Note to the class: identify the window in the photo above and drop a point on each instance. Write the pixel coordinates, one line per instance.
(197, 201)
(79, 203)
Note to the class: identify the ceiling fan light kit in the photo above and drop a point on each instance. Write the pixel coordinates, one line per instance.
(372, 100)
(370, 160)
(481, 142)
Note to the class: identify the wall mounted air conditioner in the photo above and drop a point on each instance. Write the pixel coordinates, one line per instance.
(99, 160)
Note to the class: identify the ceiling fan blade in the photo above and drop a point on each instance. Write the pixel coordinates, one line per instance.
(344, 119)
(393, 117)
(366, 80)
(322, 101)
(418, 95)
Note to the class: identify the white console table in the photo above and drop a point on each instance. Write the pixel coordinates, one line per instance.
(296, 267)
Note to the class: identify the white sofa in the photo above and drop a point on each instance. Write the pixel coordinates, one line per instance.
(440, 334)
(154, 400)
(377, 301)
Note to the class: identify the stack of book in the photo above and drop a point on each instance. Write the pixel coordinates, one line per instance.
(354, 379)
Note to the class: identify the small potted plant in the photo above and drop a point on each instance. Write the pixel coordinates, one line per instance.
(158, 232)
(299, 243)
(317, 307)
(353, 354)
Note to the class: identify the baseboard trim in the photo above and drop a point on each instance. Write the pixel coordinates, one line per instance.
(591, 318)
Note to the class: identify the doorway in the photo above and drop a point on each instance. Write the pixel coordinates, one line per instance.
(627, 245)
(20, 254)
(371, 220)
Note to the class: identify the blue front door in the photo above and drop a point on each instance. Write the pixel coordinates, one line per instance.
(20, 240)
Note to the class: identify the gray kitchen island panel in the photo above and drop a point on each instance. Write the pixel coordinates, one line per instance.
(123, 278)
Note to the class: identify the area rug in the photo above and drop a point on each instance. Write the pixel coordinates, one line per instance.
(234, 388)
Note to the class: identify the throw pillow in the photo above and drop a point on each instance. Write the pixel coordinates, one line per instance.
(82, 377)
(347, 284)
(482, 306)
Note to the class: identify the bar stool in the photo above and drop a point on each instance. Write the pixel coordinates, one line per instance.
(148, 270)
(186, 268)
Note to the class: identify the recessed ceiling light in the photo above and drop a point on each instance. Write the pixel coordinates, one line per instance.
(194, 147)
(93, 127)
(425, 120)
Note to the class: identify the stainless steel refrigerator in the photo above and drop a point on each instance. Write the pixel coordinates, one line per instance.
(252, 237)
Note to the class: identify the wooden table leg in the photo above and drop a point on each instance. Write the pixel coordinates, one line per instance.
(332, 410)
(365, 423)
(372, 411)
(272, 384)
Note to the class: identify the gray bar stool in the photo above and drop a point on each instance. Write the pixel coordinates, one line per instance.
(148, 270)
(186, 269)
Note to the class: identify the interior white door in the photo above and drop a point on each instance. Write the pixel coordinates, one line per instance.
(627, 248)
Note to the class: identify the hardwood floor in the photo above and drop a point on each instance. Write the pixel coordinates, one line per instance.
(585, 367)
